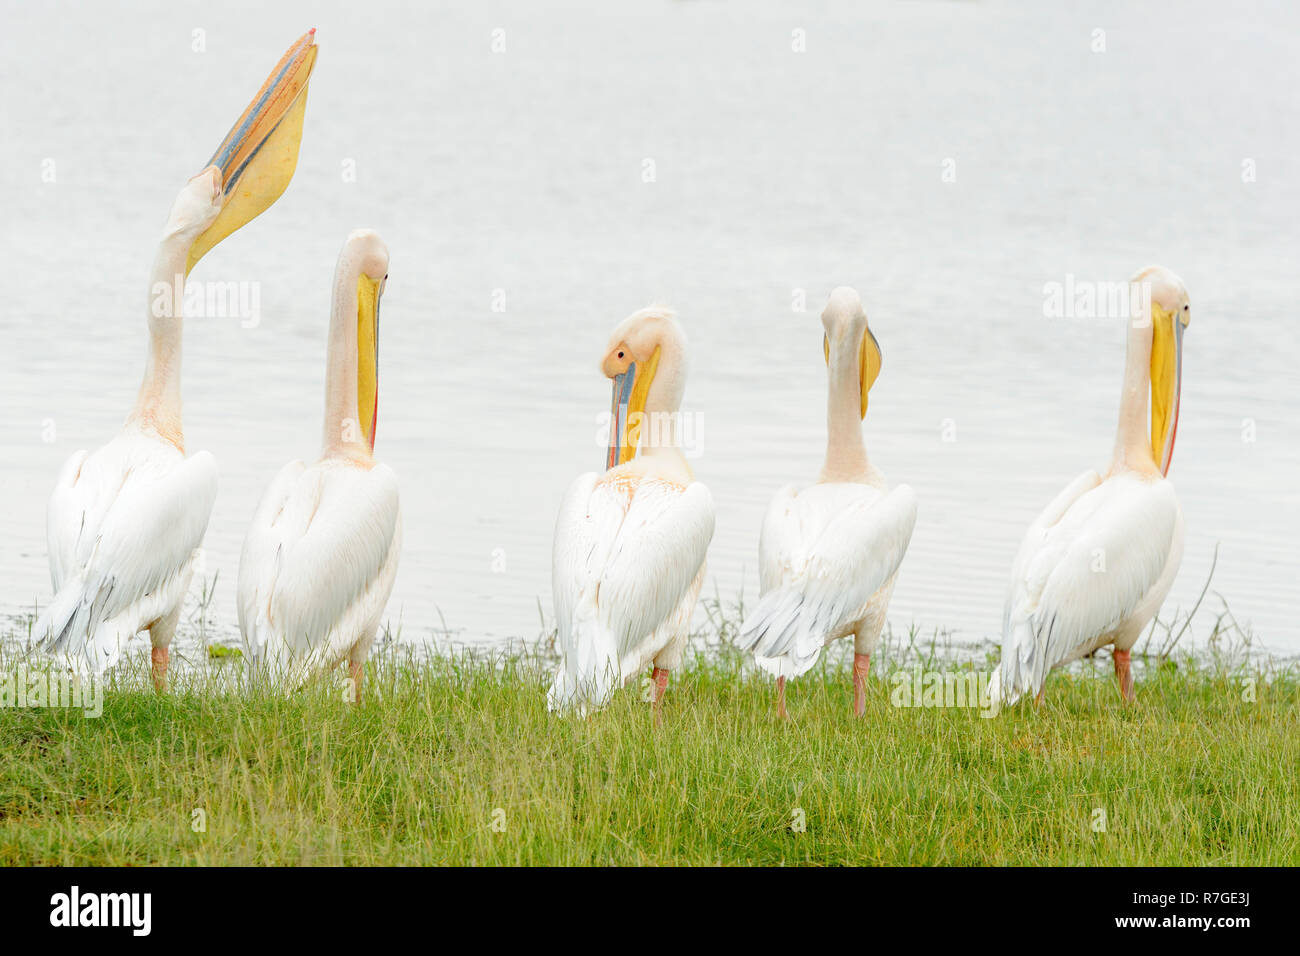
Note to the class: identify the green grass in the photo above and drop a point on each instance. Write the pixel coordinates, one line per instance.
(456, 761)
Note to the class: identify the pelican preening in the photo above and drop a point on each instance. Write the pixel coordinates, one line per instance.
(320, 557)
(1095, 566)
(124, 521)
(828, 554)
(628, 558)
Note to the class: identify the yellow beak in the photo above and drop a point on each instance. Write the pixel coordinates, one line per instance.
(368, 291)
(258, 157)
(1166, 384)
(869, 362)
(627, 412)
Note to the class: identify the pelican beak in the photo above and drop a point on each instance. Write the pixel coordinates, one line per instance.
(869, 361)
(258, 157)
(1166, 384)
(627, 413)
(618, 417)
(369, 292)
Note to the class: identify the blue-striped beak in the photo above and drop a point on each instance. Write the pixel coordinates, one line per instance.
(623, 383)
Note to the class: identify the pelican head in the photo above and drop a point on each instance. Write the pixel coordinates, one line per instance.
(365, 256)
(1171, 313)
(197, 206)
(633, 361)
(847, 334)
(254, 163)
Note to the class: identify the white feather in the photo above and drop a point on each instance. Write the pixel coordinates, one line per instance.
(1093, 568)
(318, 566)
(627, 566)
(123, 526)
(825, 553)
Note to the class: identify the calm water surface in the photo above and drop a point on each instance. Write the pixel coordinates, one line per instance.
(518, 177)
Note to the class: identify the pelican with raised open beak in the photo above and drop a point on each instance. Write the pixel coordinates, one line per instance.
(829, 553)
(321, 553)
(630, 543)
(125, 522)
(1095, 566)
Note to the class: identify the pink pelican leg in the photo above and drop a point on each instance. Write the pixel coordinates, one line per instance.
(660, 678)
(159, 657)
(780, 698)
(355, 667)
(1124, 675)
(861, 668)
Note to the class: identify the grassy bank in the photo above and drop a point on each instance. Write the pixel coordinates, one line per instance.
(456, 761)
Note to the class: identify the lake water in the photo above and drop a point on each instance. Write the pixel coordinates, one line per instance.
(947, 159)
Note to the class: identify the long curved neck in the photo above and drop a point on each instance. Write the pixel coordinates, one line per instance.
(342, 436)
(158, 403)
(846, 453)
(1133, 437)
(664, 401)
(660, 450)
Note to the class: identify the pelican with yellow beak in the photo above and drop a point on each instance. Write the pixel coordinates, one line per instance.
(125, 521)
(1095, 566)
(320, 556)
(828, 554)
(630, 543)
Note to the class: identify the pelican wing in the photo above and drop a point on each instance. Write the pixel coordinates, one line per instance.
(773, 547)
(1083, 568)
(825, 552)
(64, 524)
(655, 557)
(626, 553)
(318, 565)
(123, 525)
(578, 544)
(260, 558)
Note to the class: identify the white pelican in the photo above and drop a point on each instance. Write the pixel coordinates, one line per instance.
(1095, 566)
(828, 554)
(124, 521)
(321, 553)
(630, 544)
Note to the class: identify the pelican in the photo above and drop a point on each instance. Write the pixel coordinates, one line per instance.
(1095, 566)
(320, 556)
(829, 554)
(125, 521)
(630, 544)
